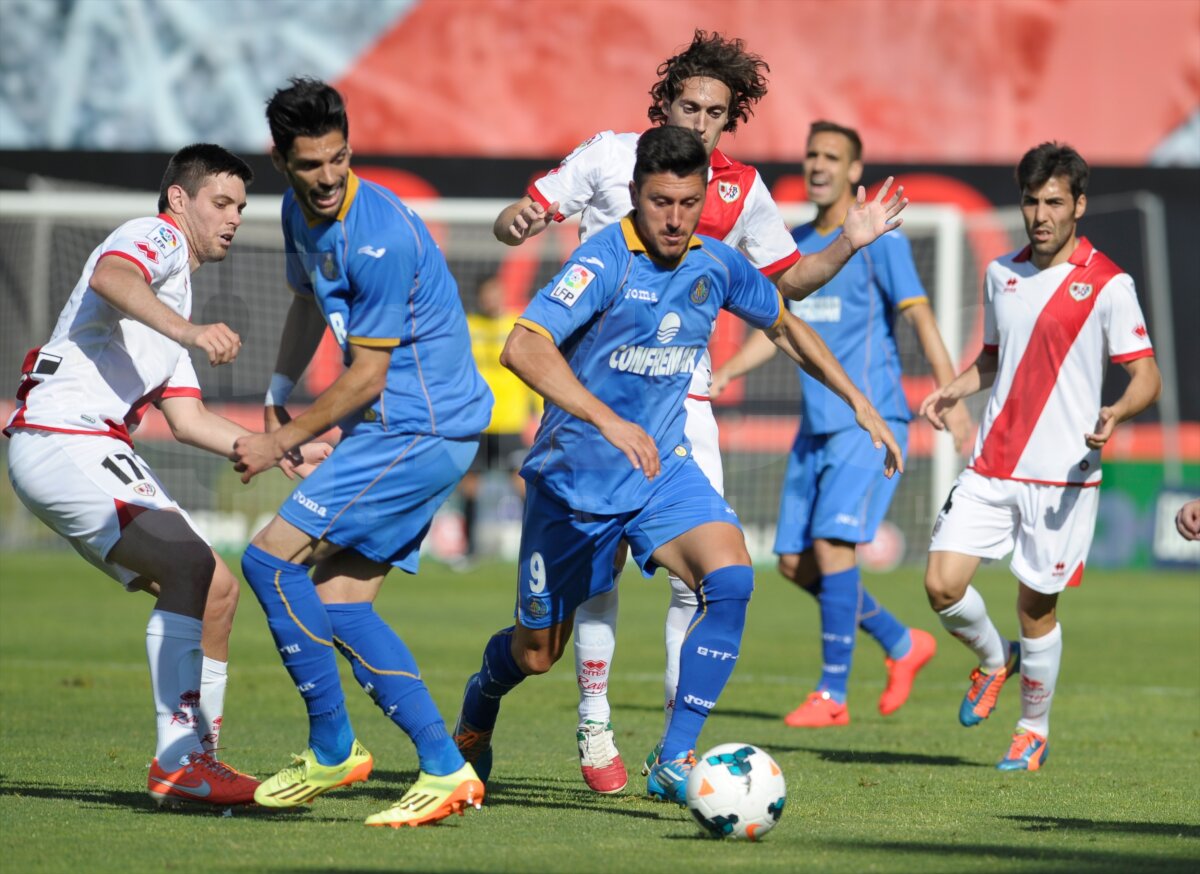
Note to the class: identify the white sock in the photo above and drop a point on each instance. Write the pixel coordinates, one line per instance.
(1040, 658)
(968, 621)
(679, 617)
(173, 650)
(212, 703)
(595, 641)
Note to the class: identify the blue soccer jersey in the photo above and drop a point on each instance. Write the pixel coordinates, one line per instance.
(380, 280)
(632, 331)
(855, 314)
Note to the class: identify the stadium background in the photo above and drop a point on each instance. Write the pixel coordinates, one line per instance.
(470, 99)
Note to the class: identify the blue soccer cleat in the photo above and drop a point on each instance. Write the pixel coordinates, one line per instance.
(667, 780)
(980, 700)
(1027, 753)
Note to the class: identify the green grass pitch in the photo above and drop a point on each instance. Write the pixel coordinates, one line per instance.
(913, 792)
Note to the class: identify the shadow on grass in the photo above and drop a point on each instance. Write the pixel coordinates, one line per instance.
(1056, 823)
(765, 715)
(878, 757)
(1032, 859)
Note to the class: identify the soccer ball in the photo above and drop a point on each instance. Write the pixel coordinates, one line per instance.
(736, 791)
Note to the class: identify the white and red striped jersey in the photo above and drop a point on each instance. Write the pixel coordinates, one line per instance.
(738, 209)
(1055, 331)
(100, 370)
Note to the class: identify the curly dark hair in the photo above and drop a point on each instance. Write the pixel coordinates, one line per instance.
(712, 56)
(1042, 163)
(308, 107)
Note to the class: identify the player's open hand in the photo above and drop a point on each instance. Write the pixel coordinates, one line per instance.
(881, 436)
(1187, 520)
(218, 341)
(937, 405)
(719, 380)
(532, 220)
(637, 445)
(303, 460)
(254, 453)
(867, 221)
(1105, 425)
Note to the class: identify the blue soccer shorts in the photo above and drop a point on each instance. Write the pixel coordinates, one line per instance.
(834, 489)
(378, 491)
(567, 555)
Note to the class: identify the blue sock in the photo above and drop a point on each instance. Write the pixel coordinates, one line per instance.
(387, 671)
(304, 637)
(839, 621)
(497, 676)
(709, 652)
(890, 632)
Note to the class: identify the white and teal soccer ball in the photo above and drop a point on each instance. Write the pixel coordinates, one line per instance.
(736, 791)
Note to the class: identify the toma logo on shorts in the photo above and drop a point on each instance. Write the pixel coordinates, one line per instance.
(309, 504)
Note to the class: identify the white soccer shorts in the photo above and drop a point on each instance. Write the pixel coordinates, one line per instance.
(81, 486)
(1047, 528)
(701, 430)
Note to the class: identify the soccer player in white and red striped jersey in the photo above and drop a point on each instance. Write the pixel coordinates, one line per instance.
(1055, 313)
(118, 347)
(708, 87)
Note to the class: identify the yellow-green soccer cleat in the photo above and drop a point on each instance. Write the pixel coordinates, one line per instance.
(433, 798)
(307, 778)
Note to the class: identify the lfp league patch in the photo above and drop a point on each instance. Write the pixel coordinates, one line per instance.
(164, 239)
(574, 282)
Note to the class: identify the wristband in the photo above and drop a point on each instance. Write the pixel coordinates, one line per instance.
(279, 390)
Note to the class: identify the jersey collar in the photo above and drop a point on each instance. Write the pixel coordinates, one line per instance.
(166, 218)
(718, 161)
(635, 244)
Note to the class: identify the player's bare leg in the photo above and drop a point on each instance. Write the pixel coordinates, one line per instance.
(1041, 655)
(160, 545)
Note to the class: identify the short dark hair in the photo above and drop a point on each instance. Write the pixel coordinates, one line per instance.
(1042, 163)
(829, 127)
(306, 108)
(714, 57)
(670, 149)
(192, 165)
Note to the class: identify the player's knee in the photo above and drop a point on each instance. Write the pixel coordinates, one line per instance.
(223, 594)
(731, 583)
(195, 562)
(535, 661)
(941, 591)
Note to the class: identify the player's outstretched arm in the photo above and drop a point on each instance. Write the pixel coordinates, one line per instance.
(521, 220)
(357, 386)
(957, 418)
(122, 285)
(191, 422)
(804, 346)
(1145, 384)
(302, 331)
(865, 222)
(540, 365)
(755, 352)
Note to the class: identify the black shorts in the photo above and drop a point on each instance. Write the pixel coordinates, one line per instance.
(504, 452)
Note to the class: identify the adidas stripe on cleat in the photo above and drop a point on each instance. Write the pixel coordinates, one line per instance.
(667, 780)
(433, 798)
(201, 779)
(307, 778)
(980, 700)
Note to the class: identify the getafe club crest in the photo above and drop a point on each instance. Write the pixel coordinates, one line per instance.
(329, 267)
(729, 191)
(700, 290)
(1080, 290)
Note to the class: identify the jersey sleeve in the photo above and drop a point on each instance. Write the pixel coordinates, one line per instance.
(896, 271)
(155, 246)
(183, 382)
(584, 287)
(991, 334)
(381, 285)
(1124, 325)
(765, 239)
(751, 296)
(573, 182)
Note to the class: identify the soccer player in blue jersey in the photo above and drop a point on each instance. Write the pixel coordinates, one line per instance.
(833, 497)
(410, 408)
(611, 344)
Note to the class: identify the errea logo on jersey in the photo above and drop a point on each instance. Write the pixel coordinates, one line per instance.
(573, 284)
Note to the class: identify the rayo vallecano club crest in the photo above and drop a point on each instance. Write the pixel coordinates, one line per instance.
(729, 191)
(700, 290)
(1080, 290)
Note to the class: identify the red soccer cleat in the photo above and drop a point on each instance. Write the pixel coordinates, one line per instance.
(902, 671)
